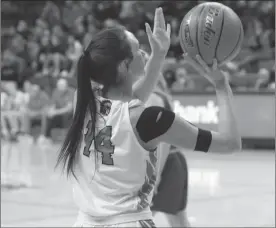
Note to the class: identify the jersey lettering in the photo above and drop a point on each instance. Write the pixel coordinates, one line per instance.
(88, 139)
(102, 143)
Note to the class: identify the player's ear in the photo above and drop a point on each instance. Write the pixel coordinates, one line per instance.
(123, 71)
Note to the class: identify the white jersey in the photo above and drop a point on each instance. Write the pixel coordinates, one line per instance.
(116, 175)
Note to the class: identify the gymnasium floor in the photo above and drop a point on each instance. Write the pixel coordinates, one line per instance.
(235, 190)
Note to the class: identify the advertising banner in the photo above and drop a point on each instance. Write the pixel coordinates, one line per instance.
(255, 112)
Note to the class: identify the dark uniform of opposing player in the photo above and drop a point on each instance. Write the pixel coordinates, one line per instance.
(172, 190)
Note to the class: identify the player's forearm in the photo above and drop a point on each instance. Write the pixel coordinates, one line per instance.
(144, 86)
(227, 122)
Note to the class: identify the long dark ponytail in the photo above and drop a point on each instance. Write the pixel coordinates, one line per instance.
(98, 63)
(86, 101)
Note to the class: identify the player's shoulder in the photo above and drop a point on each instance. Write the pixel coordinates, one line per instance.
(136, 108)
(146, 121)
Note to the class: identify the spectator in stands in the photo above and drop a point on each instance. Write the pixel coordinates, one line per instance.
(38, 30)
(266, 79)
(107, 10)
(91, 30)
(127, 9)
(51, 13)
(33, 49)
(175, 48)
(74, 48)
(5, 107)
(36, 110)
(45, 42)
(61, 109)
(78, 28)
(183, 81)
(43, 47)
(49, 69)
(27, 87)
(15, 113)
(70, 12)
(58, 44)
(58, 31)
(22, 29)
(18, 45)
(170, 77)
(11, 66)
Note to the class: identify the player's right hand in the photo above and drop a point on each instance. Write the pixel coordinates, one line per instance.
(159, 39)
(212, 74)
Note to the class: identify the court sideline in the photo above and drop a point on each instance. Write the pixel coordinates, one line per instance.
(231, 190)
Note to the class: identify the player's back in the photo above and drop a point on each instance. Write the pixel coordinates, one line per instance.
(115, 174)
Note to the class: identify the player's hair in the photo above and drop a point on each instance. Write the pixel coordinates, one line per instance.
(99, 63)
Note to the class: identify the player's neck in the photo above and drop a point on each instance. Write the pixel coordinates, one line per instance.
(118, 93)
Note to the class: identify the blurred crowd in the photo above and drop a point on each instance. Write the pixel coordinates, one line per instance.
(32, 111)
(42, 40)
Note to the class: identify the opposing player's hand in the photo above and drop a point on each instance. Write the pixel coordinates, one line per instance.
(213, 74)
(159, 39)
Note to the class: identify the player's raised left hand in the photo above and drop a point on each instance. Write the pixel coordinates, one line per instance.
(159, 39)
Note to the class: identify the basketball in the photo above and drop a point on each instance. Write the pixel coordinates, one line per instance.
(211, 30)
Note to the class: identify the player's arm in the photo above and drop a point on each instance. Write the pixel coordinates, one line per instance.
(156, 124)
(160, 42)
(144, 86)
(155, 100)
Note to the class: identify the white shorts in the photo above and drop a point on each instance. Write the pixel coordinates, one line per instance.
(139, 224)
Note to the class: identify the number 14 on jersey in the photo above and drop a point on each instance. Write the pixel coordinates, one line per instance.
(102, 143)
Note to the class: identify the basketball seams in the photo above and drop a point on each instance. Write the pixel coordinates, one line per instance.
(182, 31)
(182, 42)
(229, 57)
(222, 24)
(197, 28)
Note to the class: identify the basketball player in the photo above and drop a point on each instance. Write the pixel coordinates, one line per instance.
(111, 157)
(171, 189)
